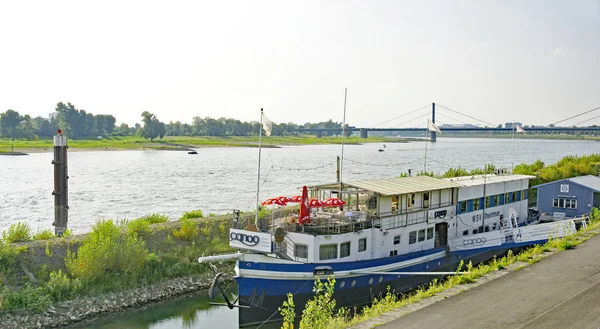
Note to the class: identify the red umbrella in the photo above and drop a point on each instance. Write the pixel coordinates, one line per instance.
(304, 216)
(297, 199)
(271, 201)
(315, 203)
(283, 199)
(334, 202)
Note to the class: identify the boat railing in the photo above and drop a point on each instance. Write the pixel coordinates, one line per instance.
(327, 223)
(288, 250)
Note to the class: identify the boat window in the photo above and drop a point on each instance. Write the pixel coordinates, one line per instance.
(410, 201)
(412, 237)
(494, 227)
(506, 199)
(475, 231)
(496, 200)
(476, 204)
(523, 197)
(344, 249)
(567, 203)
(487, 228)
(393, 252)
(328, 251)
(362, 244)
(394, 203)
(421, 235)
(518, 195)
(555, 203)
(501, 199)
(397, 239)
(425, 199)
(526, 194)
(463, 206)
(561, 203)
(574, 204)
(466, 232)
(301, 251)
(430, 233)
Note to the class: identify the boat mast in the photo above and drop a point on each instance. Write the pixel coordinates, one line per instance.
(426, 140)
(258, 180)
(343, 134)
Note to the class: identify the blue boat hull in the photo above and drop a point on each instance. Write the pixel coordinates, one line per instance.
(350, 292)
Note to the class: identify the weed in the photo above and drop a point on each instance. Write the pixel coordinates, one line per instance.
(155, 218)
(43, 235)
(188, 230)
(192, 214)
(138, 226)
(60, 287)
(17, 232)
(107, 250)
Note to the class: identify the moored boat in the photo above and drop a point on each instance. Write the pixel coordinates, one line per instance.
(398, 233)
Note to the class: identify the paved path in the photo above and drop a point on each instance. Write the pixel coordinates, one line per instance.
(561, 291)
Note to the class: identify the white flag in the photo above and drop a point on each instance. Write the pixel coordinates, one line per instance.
(520, 129)
(267, 125)
(432, 127)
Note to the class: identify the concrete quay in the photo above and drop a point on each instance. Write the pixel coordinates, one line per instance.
(560, 291)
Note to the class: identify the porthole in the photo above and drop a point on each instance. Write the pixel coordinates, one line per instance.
(342, 284)
(380, 278)
(370, 280)
(353, 283)
(427, 266)
(248, 264)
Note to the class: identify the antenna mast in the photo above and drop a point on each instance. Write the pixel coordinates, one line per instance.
(343, 135)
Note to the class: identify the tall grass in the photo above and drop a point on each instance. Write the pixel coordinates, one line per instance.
(155, 218)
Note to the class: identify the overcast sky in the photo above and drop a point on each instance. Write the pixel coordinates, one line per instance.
(523, 60)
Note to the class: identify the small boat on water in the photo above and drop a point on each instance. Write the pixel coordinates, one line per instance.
(192, 152)
(381, 150)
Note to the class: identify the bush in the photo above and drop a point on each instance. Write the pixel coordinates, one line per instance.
(29, 297)
(7, 259)
(138, 226)
(155, 218)
(60, 287)
(106, 250)
(188, 230)
(43, 235)
(192, 214)
(17, 233)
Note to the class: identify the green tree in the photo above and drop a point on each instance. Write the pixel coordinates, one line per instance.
(152, 128)
(9, 121)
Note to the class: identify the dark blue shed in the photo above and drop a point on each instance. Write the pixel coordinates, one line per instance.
(572, 196)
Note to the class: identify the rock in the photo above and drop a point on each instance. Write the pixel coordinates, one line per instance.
(38, 324)
(73, 318)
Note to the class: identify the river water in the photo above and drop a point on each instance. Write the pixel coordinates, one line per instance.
(130, 184)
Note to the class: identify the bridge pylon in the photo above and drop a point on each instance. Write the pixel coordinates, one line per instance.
(364, 133)
(432, 134)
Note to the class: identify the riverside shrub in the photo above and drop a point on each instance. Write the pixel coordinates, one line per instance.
(155, 218)
(187, 231)
(107, 250)
(18, 232)
(43, 235)
(192, 214)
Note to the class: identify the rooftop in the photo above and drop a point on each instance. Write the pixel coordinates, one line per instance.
(487, 179)
(395, 186)
(589, 181)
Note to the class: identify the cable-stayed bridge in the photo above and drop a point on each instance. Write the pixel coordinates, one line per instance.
(409, 123)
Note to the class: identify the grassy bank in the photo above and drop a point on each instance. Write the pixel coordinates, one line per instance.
(318, 314)
(37, 269)
(185, 142)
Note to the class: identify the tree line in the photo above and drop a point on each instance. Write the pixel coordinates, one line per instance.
(77, 124)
